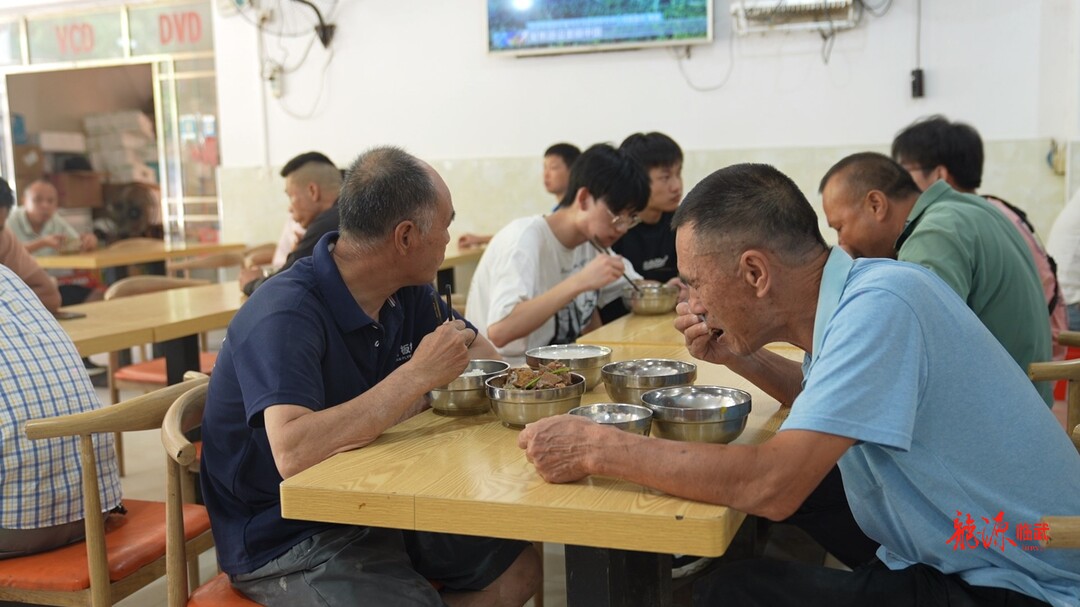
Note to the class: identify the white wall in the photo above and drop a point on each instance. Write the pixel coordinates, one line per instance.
(416, 74)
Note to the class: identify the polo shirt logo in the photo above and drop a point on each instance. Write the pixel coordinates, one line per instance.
(406, 352)
(654, 264)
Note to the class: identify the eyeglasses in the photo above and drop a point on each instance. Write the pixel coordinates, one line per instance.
(621, 222)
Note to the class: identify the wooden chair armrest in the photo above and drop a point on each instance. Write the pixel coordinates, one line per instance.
(1069, 338)
(183, 415)
(1064, 531)
(140, 413)
(1058, 369)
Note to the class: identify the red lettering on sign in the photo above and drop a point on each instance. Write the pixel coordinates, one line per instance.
(75, 38)
(181, 27)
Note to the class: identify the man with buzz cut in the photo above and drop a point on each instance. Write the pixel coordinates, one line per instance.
(878, 210)
(312, 183)
(945, 447)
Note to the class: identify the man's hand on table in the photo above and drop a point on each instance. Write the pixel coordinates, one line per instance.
(88, 242)
(247, 275)
(558, 446)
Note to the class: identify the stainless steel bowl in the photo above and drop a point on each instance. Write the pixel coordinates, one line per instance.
(631, 418)
(585, 359)
(708, 414)
(515, 408)
(625, 381)
(467, 395)
(653, 298)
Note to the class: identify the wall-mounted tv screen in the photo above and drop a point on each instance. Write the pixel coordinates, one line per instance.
(533, 27)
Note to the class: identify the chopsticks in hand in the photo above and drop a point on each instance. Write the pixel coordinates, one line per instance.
(449, 306)
(604, 251)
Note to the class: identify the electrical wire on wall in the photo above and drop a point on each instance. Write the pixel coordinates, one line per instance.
(285, 19)
(828, 36)
(683, 55)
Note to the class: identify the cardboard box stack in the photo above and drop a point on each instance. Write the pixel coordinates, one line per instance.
(122, 144)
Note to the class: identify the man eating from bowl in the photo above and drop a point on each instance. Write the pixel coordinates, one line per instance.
(323, 359)
(543, 278)
(928, 437)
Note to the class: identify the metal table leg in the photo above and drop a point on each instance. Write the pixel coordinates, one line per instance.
(617, 578)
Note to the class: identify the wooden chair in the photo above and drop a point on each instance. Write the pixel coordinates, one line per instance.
(186, 414)
(114, 561)
(1065, 530)
(259, 255)
(150, 373)
(1068, 370)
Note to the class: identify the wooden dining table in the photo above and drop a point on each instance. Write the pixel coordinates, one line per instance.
(467, 475)
(637, 329)
(173, 318)
(148, 253)
(455, 258)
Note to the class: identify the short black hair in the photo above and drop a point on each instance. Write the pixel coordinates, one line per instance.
(7, 197)
(567, 151)
(610, 175)
(934, 141)
(385, 186)
(746, 206)
(866, 171)
(652, 150)
(298, 161)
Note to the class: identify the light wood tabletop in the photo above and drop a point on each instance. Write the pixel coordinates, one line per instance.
(150, 252)
(467, 475)
(637, 329)
(457, 257)
(173, 318)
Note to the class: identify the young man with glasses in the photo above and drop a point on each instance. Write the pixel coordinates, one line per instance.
(543, 278)
(650, 246)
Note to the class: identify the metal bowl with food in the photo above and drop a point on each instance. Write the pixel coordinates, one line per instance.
(585, 359)
(516, 407)
(707, 414)
(467, 395)
(625, 381)
(631, 418)
(650, 297)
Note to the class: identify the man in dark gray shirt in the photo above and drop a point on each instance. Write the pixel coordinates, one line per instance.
(312, 183)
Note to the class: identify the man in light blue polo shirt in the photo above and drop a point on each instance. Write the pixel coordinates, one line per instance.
(949, 459)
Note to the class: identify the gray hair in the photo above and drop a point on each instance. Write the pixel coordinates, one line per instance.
(383, 187)
(751, 206)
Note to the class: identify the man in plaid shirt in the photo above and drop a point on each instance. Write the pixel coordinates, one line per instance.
(41, 375)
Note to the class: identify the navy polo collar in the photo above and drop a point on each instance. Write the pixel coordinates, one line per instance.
(348, 315)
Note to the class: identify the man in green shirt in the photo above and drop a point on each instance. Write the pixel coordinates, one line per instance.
(877, 211)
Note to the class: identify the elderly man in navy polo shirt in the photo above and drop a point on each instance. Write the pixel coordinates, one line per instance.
(322, 359)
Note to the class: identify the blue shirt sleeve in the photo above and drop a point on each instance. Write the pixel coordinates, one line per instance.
(280, 363)
(866, 381)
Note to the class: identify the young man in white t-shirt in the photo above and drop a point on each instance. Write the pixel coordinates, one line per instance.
(541, 280)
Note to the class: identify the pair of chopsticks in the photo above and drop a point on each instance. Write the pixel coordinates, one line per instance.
(438, 310)
(601, 249)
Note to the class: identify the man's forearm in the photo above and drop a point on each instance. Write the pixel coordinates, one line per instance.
(303, 440)
(531, 314)
(779, 377)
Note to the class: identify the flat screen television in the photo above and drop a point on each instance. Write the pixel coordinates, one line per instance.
(537, 27)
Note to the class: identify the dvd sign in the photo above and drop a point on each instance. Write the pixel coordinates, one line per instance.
(180, 28)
